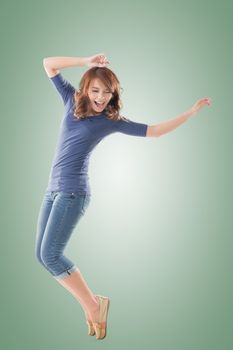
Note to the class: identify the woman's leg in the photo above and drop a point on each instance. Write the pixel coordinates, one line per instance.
(42, 220)
(78, 287)
(58, 216)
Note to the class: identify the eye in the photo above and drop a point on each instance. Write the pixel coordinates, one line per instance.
(108, 92)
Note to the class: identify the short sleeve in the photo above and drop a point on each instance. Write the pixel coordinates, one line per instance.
(63, 86)
(129, 127)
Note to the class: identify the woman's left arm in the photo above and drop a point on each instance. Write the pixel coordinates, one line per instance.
(169, 125)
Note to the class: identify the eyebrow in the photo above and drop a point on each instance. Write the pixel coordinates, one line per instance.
(94, 87)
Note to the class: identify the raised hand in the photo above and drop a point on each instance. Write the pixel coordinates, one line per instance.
(98, 60)
(200, 103)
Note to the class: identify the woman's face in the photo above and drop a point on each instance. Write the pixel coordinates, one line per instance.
(99, 96)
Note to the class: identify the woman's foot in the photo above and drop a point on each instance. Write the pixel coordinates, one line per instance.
(91, 329)
(100, 324)
(95, 314)
(92, 317)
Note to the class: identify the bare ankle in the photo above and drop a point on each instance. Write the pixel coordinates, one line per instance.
(95, 312)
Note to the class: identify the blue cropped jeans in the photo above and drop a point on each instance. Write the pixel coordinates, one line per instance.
(59, 214)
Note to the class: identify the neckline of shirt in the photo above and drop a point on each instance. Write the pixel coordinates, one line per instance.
(94, 116)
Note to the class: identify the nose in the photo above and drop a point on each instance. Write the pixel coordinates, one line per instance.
(100, 98)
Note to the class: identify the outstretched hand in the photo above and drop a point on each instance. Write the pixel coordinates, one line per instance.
(199, 104)
(98, 60)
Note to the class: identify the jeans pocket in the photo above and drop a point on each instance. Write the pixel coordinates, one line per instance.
(86, 202)
(54, 194)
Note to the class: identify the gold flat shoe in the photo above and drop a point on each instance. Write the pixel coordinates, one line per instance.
(101, 326)
(91, 330)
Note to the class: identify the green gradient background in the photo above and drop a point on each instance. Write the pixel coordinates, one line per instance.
(157, 236)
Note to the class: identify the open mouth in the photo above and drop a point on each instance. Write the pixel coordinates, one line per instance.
(99, 105)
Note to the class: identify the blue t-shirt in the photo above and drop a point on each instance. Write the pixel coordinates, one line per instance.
(77, 139)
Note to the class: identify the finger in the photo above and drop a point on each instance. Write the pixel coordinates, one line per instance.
(208, 100)
(102, 56)
(102, 60)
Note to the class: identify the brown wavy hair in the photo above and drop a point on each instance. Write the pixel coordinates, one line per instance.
(110, 80)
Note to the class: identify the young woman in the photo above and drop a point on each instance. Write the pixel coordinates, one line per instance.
(90, 113)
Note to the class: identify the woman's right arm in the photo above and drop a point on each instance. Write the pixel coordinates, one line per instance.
(53, 64)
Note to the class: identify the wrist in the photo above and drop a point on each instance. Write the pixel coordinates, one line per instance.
(85, 60)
